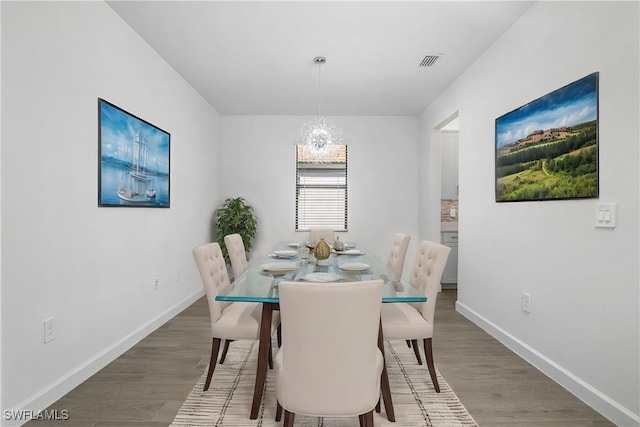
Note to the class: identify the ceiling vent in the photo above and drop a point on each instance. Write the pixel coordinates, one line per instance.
(430, 60)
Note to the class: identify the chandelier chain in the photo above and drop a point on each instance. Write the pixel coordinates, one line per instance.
(319, 89)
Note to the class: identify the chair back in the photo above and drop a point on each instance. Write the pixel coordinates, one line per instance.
(315, 234)
(213, 272)
(399, 246)
(428, 267)
(329, 354)
(237, 254)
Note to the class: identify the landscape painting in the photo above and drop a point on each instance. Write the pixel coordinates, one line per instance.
(548, 148)
(133, 160)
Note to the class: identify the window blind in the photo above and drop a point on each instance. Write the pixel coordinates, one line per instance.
(321, 188)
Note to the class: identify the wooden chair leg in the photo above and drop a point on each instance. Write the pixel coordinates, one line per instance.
(215, 347)
(224, 351)
(378, 405)
(428, 354)
(278, 411)
(361, 420)
(279, 335)
(408, 343)
(270, 359)
(288, 419)
(368, 419)
(416, 350)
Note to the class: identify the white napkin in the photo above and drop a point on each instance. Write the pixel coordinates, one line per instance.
(353, 252)
(322, 277)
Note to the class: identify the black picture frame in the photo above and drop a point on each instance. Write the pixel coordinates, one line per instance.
(133, 160)
(548, 148)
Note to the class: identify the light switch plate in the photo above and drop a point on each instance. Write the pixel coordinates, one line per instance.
(606, 215)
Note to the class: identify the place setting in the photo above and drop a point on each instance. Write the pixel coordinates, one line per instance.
(284, 254)
(340, 248)
(354, 267)
(351, 252)
(322, 277)
(278, 268)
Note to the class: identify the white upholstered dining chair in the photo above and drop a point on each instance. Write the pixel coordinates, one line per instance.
(239, 264)
(395, 262)
(237, 254)
(229, 321)
(329, 364)
(315, 234)
(414, 321)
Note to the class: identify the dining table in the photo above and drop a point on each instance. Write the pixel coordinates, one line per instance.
(292, 261)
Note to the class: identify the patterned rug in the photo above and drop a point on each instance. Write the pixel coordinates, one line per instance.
(228, 400)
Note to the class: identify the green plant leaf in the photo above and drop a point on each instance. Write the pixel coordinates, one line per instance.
(235, 216)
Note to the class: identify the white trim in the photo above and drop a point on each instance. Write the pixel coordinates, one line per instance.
(597, 400)
(63, 385)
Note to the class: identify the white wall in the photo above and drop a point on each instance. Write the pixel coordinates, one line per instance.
(1, 407)
(583, 281)
(259, 164)
(449, 164)
(63, 256)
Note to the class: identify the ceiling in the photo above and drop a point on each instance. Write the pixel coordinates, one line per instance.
(256, 58)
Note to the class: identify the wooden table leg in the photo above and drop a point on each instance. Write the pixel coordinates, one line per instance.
(263, 352)
(384, 383)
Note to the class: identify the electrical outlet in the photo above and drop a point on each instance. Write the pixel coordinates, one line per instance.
(156, 284)
(526, 303)
(50, 330)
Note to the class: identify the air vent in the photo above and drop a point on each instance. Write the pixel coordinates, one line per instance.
(430, 60)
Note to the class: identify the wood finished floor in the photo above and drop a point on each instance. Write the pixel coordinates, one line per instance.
(147, 385)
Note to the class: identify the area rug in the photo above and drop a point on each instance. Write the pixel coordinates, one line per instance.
(228, 400)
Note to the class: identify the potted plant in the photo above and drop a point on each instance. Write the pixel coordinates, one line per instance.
(235, 216)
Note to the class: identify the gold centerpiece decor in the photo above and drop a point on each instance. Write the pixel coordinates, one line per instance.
(322, 250)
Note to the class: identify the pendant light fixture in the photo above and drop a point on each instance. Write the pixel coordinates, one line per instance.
(320, 134)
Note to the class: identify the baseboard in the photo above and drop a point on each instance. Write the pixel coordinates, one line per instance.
(601, 403)
(54, 391)
(449, 285)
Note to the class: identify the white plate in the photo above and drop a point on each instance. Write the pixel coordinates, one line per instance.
(279, 266)
(351, 252)
(294, 245)
(322, 277)
(287, 253)
(354, 266)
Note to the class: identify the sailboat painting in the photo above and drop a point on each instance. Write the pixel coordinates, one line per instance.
(133, 159)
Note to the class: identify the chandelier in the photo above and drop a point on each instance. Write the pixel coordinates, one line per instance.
(319, 134)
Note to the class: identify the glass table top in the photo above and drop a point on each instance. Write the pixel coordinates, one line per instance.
(260, 282)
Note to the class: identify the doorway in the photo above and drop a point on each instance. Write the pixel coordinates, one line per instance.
(449, 200)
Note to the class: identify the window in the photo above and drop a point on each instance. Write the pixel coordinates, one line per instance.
(321, 188)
